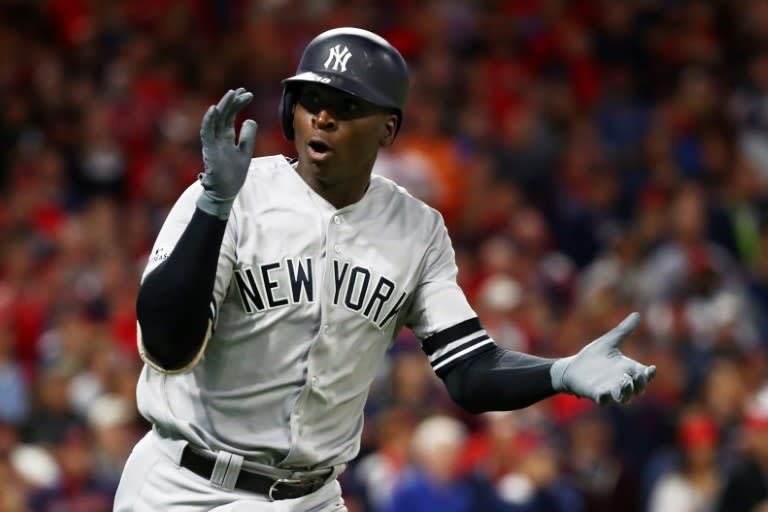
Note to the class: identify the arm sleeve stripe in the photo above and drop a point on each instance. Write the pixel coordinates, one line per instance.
(451, 334)
(457, 345)
(462, 353)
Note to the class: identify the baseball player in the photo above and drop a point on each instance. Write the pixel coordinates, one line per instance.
(275, 287)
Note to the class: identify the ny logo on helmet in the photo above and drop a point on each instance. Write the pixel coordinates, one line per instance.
(339, 58)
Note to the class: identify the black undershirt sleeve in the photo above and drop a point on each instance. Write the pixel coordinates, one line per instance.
(498, 380)
(173, 305)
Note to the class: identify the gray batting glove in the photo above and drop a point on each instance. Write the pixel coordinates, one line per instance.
(600, 371)
(226, 162)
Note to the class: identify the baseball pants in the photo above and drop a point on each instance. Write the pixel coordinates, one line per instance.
(152, 480)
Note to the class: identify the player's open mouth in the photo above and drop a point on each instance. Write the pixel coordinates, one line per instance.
(318, 150)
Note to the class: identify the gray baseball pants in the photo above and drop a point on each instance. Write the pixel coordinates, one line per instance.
(152, 480)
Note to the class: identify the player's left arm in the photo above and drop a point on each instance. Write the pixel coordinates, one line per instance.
(498, 379)
(480, 376)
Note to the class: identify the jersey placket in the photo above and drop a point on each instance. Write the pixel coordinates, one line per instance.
(331, 246)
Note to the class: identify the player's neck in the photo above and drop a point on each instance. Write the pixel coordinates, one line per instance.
(339, 193)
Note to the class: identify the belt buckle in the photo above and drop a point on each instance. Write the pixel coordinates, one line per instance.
(273, 487)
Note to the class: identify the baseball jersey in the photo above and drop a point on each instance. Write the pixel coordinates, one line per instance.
(307, 300)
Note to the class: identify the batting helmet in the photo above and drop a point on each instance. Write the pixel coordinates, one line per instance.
(352, 60)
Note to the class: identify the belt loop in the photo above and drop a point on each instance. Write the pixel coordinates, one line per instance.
(226, 469)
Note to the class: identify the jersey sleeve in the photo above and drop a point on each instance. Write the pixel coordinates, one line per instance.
(170, 233)
(441, 316)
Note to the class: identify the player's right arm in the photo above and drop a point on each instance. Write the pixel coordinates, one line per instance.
(173, 306)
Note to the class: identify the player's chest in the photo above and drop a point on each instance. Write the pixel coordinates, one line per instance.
(355, 267)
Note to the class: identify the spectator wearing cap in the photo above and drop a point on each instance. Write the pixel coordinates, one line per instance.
(692, 484)
(432, 481)
(746, 481)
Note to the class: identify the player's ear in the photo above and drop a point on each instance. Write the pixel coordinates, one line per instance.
(389, 131)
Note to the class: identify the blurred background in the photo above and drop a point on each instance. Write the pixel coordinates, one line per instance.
(590, 157)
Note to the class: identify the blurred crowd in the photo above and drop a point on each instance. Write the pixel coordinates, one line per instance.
(590, 158)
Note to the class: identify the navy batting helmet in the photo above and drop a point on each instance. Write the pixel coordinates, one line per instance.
(352, 60)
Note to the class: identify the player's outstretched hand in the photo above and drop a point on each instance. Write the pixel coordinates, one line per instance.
(600, 371)
(225, 160)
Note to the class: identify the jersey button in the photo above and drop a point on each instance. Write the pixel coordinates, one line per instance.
(314, 381)
(337, 248)
(337, 219)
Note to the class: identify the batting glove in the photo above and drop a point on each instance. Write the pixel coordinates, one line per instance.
(600, 371)
(226, 162)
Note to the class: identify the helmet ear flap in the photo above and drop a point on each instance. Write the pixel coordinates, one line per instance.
(287, 104)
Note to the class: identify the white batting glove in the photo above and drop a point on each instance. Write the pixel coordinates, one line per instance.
(600, 371)
(226, 162)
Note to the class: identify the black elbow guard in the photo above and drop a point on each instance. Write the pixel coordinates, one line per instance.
(169, 337)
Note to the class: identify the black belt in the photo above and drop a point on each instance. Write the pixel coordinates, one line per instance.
(275, 489)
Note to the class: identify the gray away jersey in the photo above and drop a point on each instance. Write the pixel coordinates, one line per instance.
(307, 300)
